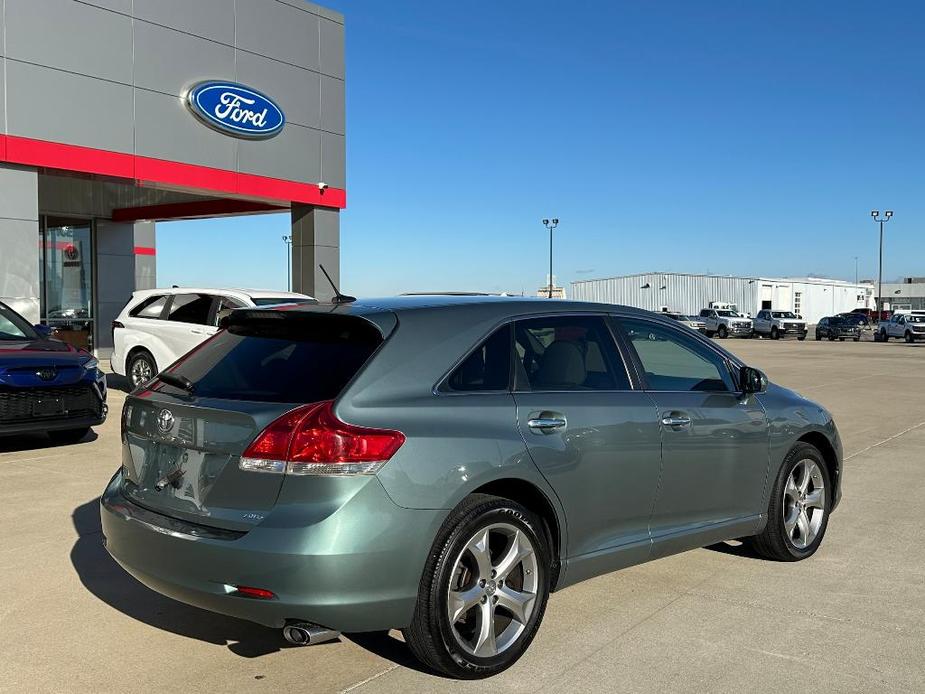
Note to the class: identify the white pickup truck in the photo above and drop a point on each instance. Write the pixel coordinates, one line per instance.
(908, 326)
(724, 322)
(777, 324)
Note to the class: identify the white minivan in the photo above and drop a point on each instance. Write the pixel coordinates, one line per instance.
(158, 326)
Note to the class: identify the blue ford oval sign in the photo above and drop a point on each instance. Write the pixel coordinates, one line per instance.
(236, 110)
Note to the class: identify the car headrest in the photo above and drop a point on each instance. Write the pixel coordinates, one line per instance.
(562, 365)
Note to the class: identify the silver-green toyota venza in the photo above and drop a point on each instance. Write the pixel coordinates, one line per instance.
(441, 464)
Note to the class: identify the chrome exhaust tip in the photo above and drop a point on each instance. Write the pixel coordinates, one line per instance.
(308, 634)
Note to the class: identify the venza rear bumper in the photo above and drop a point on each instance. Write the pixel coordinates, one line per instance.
(356, 568)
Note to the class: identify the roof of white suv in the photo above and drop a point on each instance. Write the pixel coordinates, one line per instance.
(249, 293)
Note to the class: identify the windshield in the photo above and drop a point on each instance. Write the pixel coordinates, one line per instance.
(13, 326)
(784, 314)
(915, 319)
(727, 314)
(694, 318)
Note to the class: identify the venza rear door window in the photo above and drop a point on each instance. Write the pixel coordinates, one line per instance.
(280, 357)
(567, 353)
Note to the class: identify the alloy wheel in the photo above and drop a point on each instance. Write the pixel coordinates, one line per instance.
(804, 503)
(141, 372)
(493, 590)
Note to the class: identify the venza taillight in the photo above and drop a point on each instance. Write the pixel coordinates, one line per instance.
(310, 440)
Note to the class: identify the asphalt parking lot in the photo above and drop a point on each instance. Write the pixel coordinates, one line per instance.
(851, 619)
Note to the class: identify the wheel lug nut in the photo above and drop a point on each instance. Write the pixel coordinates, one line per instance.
(482, 583)
(484, 599)
(493, 574)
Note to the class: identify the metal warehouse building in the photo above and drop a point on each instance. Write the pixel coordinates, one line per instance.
(115, 114)
(811, 298)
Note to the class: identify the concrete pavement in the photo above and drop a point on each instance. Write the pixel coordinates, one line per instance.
(849, 620)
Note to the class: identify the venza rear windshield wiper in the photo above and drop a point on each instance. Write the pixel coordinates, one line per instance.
(181, 382)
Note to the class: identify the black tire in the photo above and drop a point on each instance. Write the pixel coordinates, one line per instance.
(774, 542)
(910, 338)
(841, 339)
(710, 333)
(722, 332)
(831, 338)
(802, 337)
(431, 635)
(857, 339)
(884, 337)
(818, 336)
(68, 435)
(775, 335)
(142, 361)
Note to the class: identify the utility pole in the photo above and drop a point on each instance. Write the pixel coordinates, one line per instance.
(886, 218)
(550, 225)
(855, 270)
(288, 241)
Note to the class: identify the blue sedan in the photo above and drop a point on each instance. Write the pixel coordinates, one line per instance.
(45, 384)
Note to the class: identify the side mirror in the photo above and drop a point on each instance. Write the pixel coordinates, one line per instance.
(752, 380)
(44, 331)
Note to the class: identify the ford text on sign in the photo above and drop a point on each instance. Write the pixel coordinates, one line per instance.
(236, 110)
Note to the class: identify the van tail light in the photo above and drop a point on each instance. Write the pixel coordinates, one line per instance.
(116, 324)
(310, 440)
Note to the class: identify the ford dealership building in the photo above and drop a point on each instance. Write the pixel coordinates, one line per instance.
(116, 114)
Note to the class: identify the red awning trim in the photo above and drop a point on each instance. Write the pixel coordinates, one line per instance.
(147, 171)
(145, 250)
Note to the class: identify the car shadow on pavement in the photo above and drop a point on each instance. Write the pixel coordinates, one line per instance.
(39, 441)
(386, 646)
(736, 548)
(103, 577)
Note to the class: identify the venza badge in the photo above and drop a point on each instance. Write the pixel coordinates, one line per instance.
(235, 110)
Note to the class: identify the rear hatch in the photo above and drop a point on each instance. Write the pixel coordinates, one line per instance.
(182, 446)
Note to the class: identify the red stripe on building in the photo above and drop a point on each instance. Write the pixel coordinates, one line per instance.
(153, 172)
(145, 250)
(54, 155)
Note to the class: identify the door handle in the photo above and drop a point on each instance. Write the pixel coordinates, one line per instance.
(544, 424)
(676, 420)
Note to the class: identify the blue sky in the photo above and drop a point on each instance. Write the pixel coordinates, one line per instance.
(720, 136)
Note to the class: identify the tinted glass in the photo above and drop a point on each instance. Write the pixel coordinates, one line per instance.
(272, 301)
(190, 308)
(567, 353)
(488, 367)
(225, 306)
(152, 307)
(13, 326)
(674, 362)
(291, 359)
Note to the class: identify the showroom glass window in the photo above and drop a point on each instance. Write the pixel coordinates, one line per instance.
(66, 264)
(673, 361)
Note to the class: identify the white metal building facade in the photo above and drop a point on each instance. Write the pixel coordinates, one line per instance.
(813, 298)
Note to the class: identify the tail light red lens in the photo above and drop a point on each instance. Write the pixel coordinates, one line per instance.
(310, 440)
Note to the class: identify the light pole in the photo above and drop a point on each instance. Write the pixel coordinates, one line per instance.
(288, 241)
(855, 271)
(875, 214)
(550, 224)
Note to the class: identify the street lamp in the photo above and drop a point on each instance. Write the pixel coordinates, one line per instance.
(875, 214)
(855, 271)
(288, 241)
(550, 224)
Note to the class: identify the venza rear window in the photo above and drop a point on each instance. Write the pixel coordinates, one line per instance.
(280, 357)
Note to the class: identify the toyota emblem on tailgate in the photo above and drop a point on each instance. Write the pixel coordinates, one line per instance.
(165, 420)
